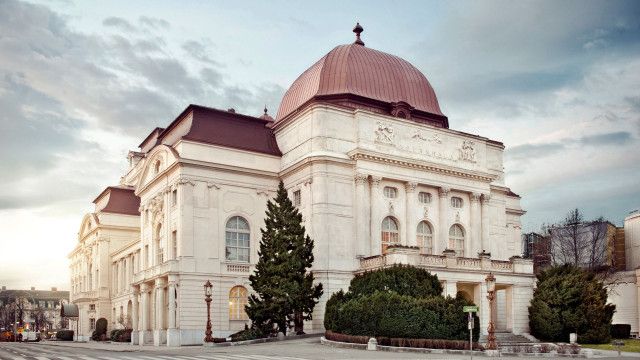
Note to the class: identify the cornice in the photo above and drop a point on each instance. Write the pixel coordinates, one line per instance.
(422, 165)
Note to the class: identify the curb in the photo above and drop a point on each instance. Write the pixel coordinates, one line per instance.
(261, 341)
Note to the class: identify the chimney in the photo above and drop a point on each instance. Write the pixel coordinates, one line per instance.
(53, 288)
(33, 288)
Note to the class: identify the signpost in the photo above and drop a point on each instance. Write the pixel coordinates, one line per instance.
(470, 310)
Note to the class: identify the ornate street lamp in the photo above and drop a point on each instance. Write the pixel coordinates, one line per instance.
(208, 289)
(491, 295)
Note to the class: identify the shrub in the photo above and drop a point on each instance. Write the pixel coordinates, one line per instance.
(568, 299)
(401, 279)
(392, 315)
(248, 334)
(403, 342)
(121, 335)
(100, 333)
(620, 331)
(64, 335)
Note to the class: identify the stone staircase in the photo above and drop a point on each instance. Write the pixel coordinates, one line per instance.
(506, 338)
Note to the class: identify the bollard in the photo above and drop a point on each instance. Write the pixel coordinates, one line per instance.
(573, 338)
(372, 345)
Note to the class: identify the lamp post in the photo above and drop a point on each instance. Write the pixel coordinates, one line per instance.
(491, 295)
(207, 297)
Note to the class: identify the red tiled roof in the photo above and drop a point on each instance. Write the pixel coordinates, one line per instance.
(122, 200)
(358, 70)
(229, 129)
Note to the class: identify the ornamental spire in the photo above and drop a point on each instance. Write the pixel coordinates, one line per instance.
(358, 29)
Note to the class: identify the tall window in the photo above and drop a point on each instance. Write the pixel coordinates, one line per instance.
(237, 239)
(159, 250)
(390, 192)
(238, 298)
(425, 238)
(424, 197)
(456, 239)
(92, 323)
(297, 198)
(389, 233)
(456, 202)
(174, 244)
(174, 197)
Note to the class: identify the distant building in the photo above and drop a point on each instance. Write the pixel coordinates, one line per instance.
(537, 248)
(41, 304)
(624, 285)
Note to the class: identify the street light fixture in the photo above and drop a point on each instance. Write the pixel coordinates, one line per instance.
(208, 289)
(491, 295)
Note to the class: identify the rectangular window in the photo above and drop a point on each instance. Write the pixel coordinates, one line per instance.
(92, 324)
(424, 197)
(456, 202)
(297, 198)
(92, 307)
(174, 197)
(146, 256)
(174, 245)
(390, 192)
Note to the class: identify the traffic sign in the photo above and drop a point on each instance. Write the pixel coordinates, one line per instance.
(470, 309)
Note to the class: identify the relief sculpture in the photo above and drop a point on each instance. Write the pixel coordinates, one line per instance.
(384, 133)
(467, 152)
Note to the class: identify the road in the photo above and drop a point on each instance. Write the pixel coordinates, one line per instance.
(302, 349)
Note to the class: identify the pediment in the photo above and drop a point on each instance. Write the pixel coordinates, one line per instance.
(155, 163)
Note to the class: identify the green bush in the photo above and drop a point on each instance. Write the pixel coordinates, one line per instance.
(100, 333)
(120, 335)
(385, 303)
(248, 334)
(388, 314)
(568, 299)
(401, 279)
(64, 335)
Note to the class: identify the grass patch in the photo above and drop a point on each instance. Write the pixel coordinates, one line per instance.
(631, 345)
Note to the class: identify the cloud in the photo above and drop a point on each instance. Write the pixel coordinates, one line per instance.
(119, 23)
(154, 23)
(198, 51)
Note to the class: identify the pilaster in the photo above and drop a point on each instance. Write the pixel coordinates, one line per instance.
(410, 206)
(443, 222)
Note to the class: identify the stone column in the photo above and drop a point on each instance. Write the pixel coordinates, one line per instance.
(411, 203)
(475, 240)
(144, 333)
(173, 334)
(135, 320)
(443, 226)
(376, 215)
(159, 336)
(363, 245)
(486, 245)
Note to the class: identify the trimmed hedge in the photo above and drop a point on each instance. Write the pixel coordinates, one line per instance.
(620, 331)
(389, 314)
(402, 342)
(121, 335)
(248, 334)
(64, 335)
(401, 279)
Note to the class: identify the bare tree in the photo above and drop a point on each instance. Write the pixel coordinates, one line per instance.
(40, 318)
(124, 321)
(585, 244)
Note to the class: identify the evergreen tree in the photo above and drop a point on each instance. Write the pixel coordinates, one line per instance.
(569, 299)
(284, 290)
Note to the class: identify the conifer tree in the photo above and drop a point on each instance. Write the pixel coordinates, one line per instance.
(284, 290)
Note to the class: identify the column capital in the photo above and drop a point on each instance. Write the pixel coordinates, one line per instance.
(160, 282)
(135, 289)
(475, 197)
(410, 186)
(375, 180)
(360, 178)
(443, 192)
(486, 198)
(144, 287)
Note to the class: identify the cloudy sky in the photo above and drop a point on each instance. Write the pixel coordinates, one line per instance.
(83, 83)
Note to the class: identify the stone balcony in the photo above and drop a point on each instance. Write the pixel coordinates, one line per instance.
(91, 295)
(156, 271)
(448, 261)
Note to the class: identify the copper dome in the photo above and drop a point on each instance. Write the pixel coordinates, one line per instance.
(359, 77)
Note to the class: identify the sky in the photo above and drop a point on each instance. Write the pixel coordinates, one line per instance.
(81, 84)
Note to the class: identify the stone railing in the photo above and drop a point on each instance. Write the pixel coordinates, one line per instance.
(447, 261)
(238, 268)
(155, 271)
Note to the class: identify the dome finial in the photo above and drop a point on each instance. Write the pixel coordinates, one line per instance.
(265, 109)
(358, 29)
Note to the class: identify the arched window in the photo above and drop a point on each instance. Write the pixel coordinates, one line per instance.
(389, 233)
(425, 238)
(238, 298)
(456, 239)
(237, 239)
(156, 167)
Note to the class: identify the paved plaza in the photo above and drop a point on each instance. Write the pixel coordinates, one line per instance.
(303, 349)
